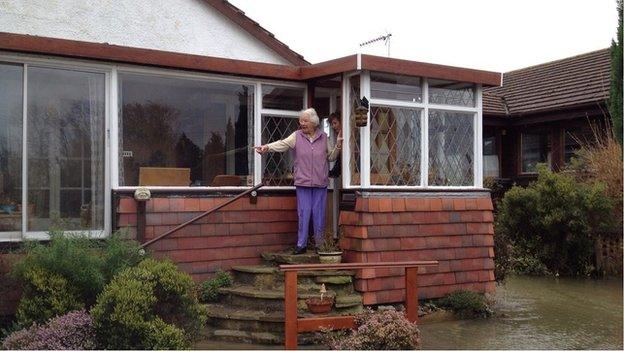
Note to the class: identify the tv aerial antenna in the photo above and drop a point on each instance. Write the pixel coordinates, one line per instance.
(384, 38)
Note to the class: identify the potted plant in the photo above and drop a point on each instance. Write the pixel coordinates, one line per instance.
(7, 204)
(329, 251)
(320, 305)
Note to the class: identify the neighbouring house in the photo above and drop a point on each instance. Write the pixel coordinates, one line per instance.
(99, 98)
(541, 113)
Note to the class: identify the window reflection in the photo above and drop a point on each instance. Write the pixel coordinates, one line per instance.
(203, 128)
(65, 149)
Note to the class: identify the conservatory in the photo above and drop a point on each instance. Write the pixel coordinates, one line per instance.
(87, 124)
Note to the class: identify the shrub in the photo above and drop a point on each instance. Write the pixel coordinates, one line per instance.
(151, 306)
(553, 220)
(377, 330)
(599, 160)
(209, 291)
(466, 304)
(68, 273)
(72, 331)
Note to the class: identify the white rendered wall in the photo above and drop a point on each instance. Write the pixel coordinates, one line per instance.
(186, 26)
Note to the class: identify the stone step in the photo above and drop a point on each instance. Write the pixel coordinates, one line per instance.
(268, 277)
(287, 257)
(226, 317)
(262, 299)
(263, 338)
(250, 297)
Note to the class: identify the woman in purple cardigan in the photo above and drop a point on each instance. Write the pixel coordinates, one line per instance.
(312, 150)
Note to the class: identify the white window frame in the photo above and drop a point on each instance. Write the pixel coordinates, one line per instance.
(27, 61)
(424, 106)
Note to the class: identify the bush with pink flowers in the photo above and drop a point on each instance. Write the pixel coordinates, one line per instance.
(71, 331)
(377, 330)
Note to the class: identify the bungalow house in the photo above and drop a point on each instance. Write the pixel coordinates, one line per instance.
(540, 113)
(101, 98)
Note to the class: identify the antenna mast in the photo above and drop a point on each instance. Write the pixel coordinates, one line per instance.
(385, 38)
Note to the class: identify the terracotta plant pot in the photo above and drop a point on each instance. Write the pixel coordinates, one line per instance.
(330, 257)
(317, 306)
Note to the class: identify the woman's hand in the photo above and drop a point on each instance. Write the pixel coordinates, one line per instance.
(339, 140)
(262, 149)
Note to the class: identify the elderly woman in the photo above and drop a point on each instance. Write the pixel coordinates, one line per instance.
(312, 151)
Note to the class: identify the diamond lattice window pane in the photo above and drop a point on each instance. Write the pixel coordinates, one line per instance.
(395, 146)
(354, 137)
(277, 167)
(451, 93)
(451, 148)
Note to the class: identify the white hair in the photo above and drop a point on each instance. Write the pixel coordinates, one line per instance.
(312, 115)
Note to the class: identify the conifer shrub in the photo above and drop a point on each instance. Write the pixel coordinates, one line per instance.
(150, 306)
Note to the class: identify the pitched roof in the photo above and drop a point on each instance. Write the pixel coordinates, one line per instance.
(237, 16)
(564, 83)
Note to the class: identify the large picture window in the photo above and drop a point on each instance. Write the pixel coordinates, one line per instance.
(65, 149)
(64, 154)
(192, 132)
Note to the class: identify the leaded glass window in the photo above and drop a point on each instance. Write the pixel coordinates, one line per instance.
(451, 148)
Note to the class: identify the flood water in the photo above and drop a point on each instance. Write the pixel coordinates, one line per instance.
(540, 313)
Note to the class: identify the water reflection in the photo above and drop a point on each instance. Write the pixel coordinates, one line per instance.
(540, 313)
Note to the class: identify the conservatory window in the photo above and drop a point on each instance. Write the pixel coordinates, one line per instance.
(451, 148)
(11, 148)
(65, 135)
(395, 87)
(354, 131)
(279, 118)
(395, 146)
(184, 132)
(443, 92)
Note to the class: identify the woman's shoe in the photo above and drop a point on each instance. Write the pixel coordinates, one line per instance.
(300, 250)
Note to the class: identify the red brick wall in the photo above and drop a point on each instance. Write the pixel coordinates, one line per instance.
(235, 235)
(456, 230)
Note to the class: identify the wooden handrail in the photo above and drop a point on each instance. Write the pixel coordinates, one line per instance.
(214, 209)
(293, 325)
(331, 266)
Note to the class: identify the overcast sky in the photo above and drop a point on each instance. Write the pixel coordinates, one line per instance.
(485, 34)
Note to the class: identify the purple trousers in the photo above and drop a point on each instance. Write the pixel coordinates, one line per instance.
(311, 202)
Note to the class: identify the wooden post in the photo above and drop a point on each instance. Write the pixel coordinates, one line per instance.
(411, 294)
(290, 309)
